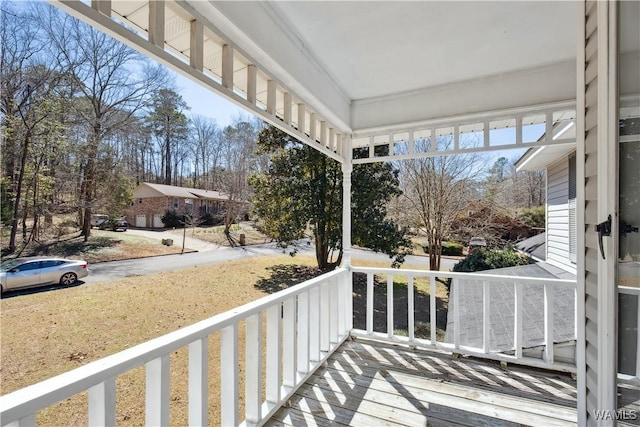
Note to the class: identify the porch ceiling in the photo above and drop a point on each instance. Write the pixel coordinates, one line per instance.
(385, 48)
(325, 70)
(403, 62)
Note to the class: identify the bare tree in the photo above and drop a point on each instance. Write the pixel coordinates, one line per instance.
(112, 79)
(438, 188)
(241, 159)
(206, 146)
(28, 101)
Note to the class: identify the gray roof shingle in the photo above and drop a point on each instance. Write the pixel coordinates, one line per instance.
(502, 305)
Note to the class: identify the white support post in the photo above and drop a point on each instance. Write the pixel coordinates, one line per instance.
(487, 134)
(332, 140)
(302, 111)
(102, 404)
(303, 333)
(312, 127)
(548, 137)
(287, 108)
(198, 382)
(340, 143)
(390, 305)
(410, 309)
(432, 310)
(342, 306)
(196, 46)
(271, 97)
(434, 140)
(227, 67)
(333, 310)
(518, 318)
(274, 353)
(548, 324)
(486, 316)
(518, 129)
(289, 357)
(348, 279)
(325, 315)
(314, 324)
(102, 6)
(390, 144)
(456, 138)
(253, 369)
(347, 169)
(156, 23)
(323, 133)
(370, 303)
(252, 79)
(372, 147)
(229, 375)
(157, 406)
(455, 286)
(412, 143)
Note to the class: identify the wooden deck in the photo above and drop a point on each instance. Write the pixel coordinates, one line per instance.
(375, 384)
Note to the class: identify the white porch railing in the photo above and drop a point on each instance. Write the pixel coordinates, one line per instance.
(514, 355)
(304, 325)
(626, 314)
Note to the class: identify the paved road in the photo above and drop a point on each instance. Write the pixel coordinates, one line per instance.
(107, 271)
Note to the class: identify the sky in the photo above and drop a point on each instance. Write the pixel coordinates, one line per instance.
(207, 103)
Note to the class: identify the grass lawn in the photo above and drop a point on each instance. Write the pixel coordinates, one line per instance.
(45, 334)
(252, 235)
(101, 246)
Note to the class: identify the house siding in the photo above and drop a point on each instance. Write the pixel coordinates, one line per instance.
(590, 209)
(558, 215)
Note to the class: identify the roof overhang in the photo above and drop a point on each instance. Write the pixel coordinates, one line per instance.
(541, 157)
(325, 70)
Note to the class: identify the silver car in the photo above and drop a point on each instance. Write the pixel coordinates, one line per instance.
(29, 272)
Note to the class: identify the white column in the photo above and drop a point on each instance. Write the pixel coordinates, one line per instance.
(347, 168)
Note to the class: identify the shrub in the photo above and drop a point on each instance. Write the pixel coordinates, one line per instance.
(448, 248)
(171, 219)
(533, 217)
(451, 249)
(208, 219)
(488, 259)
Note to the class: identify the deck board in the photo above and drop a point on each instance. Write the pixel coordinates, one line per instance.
(367, 383)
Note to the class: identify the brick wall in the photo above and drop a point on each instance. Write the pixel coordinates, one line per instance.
(148, 207)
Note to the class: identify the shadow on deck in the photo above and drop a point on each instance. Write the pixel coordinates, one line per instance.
(367, 383)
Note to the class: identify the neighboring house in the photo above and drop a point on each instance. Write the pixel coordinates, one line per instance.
(559, 246)
(560, 240)
(152, 201)
(556, 252)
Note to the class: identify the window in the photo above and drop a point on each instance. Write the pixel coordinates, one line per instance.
(29, 266)
(52, 263)
(176, 203)
(573, 226)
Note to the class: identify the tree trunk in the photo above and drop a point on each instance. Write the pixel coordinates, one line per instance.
(167, 155)
(90, 180)
(16, 203)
